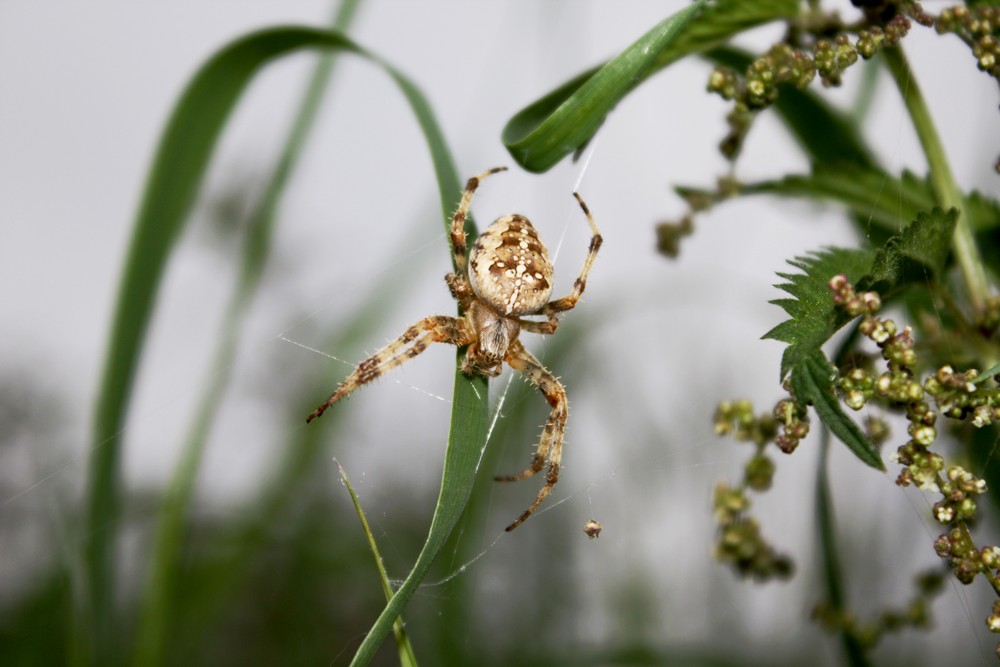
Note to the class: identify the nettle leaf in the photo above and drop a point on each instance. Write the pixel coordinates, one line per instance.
(916, 254)
(813, 384)
(813, 315)
(874, 196)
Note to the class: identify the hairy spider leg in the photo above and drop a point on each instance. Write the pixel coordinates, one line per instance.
(434, 329)
(550, 446)
(556, 306)
(458, 241)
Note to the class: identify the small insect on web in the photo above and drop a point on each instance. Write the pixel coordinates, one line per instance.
(507, 275)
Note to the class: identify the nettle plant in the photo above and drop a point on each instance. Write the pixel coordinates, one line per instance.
(929, 255)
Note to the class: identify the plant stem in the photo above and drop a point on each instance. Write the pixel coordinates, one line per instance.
(833, 585)
(406, 655)
(942, 181)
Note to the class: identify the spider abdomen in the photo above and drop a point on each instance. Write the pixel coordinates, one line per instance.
(509, 267)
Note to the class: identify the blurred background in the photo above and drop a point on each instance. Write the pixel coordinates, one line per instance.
(276, 568)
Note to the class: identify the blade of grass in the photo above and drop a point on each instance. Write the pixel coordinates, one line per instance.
(468, 433)
(564, 120)
(219, 577)
(176, 174)
(406, 655)
(155, 614)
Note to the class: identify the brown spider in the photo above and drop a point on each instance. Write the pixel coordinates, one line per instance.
(509, 275)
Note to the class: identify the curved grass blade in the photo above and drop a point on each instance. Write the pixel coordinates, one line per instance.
(155, 615)
(406, 654)
(564, 120)
(468, 433)
(176, 174)
(213, 582)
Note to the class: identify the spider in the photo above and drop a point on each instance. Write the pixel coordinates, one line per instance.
(507, 275)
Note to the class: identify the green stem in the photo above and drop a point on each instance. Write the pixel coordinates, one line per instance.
(832, 580)
(406, 654)
(942, 181)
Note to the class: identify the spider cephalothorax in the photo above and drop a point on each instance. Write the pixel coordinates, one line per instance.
(507, 275)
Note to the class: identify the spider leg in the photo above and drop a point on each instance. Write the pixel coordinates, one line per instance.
(531, 326)
(436, 329)
(458, 220)
(461, 290)
(552, 308)
(551, 444)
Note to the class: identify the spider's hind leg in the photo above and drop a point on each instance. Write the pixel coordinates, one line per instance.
(435, 329)
(550, 446)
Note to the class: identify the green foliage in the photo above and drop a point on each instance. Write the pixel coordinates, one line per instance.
(942, 256)
(915, 254)
(564, 120)
(839, 145)
(812, 381)
(814, 317)
(874, 196)
(178, 169)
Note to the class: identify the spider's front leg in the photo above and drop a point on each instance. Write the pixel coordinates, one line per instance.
(435, 329)
(550, 446)
(553, 308)
(458, 240)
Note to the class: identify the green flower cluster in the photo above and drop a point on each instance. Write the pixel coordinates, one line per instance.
(979, 28)
(956, 396)
(916, 613)
(783, 64)
(740, 542)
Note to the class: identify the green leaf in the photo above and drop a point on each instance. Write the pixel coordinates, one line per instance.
(813, 315)
(465, 442)
(175, 177)
(812, 381)
(564, 120)
(915, 255)
(874, 196)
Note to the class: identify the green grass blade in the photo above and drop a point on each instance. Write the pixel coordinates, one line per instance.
(468, 433)
(564, 120)
(174, 179)
(155, 615)
(406, 654)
